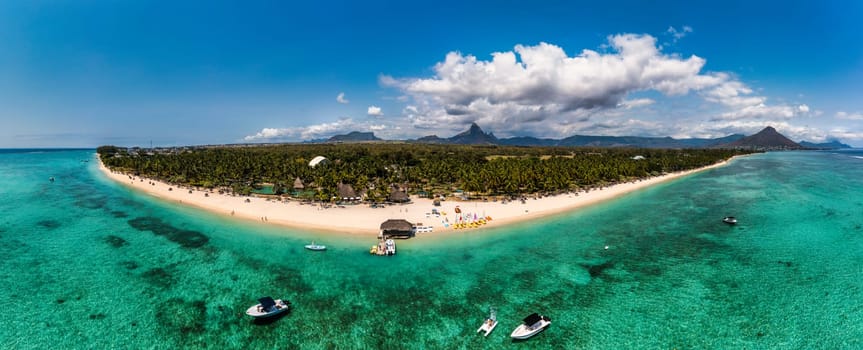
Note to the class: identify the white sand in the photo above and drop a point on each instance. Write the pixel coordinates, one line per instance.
(364, 220)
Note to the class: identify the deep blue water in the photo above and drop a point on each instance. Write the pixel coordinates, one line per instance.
(89, 264)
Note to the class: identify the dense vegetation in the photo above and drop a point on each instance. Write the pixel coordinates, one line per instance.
(419, 168)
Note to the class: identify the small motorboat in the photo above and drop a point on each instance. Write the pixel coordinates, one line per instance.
(729, 220)
(51, 179)
(390, 247)
(489, 323)
(532, 325)
(268, 308)
(316, 247)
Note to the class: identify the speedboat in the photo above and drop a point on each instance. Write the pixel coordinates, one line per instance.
(729, 220)
(390, 247)
(268, 308)
(489, 323)
(532, 325)
(316, 247)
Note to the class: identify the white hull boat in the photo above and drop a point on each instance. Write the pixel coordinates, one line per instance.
(268, 308)
(532, 325)
(316, 247)
(729, 220)
(488, 325)
(390, 247)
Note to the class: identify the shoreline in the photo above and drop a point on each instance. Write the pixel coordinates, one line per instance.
(362, 220)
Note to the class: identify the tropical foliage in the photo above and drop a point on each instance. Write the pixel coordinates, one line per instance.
(374, 168)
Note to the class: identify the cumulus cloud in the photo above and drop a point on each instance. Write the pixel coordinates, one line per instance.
(759, 111)
(386, 130)
(849, 116)
(304, 133)
(543, 84)
(846, 135)
(341, 98)
(375, 111)
(630, 87)
(545, 75)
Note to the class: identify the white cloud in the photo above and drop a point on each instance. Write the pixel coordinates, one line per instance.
(630, 88)
(305, 133)
(678, 34)
(541, 83)
(849, 116)
(375, 111)
(636, 103)
(341, 98)
(544, 91)
(759, 111)
(846, 135)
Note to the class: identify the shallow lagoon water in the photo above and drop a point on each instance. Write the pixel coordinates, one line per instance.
(88, 263)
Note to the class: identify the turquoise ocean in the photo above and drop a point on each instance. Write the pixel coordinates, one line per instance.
(88, 263)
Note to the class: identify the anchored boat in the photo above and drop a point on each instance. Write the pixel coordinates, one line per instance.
(532, 325)
(316, 247)
(489, 323)
(268, 308)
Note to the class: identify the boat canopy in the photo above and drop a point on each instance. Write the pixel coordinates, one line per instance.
(532, 319)
(267, 302)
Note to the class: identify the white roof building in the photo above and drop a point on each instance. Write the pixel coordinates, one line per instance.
(317, 160)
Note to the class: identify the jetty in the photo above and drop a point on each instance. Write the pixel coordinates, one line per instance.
(390, 229)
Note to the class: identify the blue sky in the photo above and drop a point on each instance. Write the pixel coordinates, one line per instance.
(87, 73)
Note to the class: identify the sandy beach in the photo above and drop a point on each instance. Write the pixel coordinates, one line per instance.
(361, 219)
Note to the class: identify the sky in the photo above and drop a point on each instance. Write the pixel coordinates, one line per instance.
(135, 73)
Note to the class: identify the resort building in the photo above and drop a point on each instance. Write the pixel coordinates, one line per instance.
(347, 193)
(397, 196)
(397, 228)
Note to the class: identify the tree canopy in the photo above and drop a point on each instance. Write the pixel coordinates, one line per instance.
(373, 168)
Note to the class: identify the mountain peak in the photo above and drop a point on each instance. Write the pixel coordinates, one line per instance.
(768, 138)
(474, 136)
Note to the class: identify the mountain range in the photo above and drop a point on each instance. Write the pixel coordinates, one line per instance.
(766, 139)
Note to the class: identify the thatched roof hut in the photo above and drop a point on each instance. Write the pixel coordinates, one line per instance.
(298, 184)
(347, 193)
(397, 228)
(398, 197)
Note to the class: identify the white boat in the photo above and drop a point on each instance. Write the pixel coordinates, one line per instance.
(489, 323)
(268, 308)
(729, 220)
(390, 247)
(316, 247)
(532, 325)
